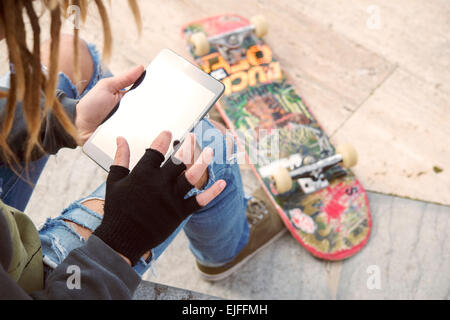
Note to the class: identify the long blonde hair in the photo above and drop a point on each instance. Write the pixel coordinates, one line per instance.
(27, 81)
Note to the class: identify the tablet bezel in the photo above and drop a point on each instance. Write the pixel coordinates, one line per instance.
(183, 65)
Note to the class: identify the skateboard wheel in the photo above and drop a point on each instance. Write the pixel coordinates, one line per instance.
(349, 155)
(200, 43)
(282, 180)
(261, 26)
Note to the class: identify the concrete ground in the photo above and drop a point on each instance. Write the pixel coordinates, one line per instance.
(375, 73)
(154, 291)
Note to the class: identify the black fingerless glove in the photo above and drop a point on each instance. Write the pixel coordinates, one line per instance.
(144, 207)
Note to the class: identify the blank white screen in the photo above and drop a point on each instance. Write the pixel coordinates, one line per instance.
(167, 99)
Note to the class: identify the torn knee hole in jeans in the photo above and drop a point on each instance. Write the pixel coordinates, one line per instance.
(94, 204)
(82, 229)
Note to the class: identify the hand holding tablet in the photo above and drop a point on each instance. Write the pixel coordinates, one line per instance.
(171, 95)
(95, 106)
(144, 206)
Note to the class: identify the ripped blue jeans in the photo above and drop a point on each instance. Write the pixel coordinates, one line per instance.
(216, 233)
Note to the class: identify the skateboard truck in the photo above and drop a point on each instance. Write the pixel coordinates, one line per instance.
(229, 44)
(313, 177)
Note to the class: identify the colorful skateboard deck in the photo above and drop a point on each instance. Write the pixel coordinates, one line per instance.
(276, 128)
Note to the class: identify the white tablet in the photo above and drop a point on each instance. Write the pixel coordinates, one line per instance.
(171, 95)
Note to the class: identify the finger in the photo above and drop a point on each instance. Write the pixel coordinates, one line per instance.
(116, 173)
(183, 186)
(119, 169)
(211, 193)
(162, 142)
(122, 157)
(151, 159)
(185, 153)
(194, 173)
(174, 168)
(190, 205)
(126, 79)
(155, 155)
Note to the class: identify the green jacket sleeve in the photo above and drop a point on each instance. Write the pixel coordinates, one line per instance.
(102, 273)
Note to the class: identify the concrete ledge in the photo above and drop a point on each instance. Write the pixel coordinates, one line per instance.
(154, 291)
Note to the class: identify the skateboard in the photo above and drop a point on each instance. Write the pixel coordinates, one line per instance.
(319, 199)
